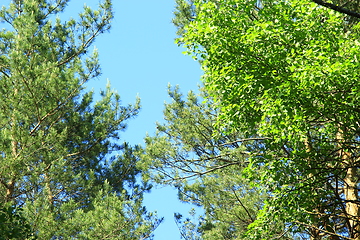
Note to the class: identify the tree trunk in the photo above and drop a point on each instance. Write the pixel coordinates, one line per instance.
(351, 197)
(351, 181)
(315, 233)
(10, 186)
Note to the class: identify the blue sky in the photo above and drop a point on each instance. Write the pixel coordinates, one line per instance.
(140, 58)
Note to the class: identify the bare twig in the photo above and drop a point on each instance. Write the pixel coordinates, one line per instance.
(242, 205)
(323, 230)
(245, 140)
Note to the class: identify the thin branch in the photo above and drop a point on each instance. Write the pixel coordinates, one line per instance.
(281, 235)
(245, 140)
(242, 205)
(3, 72)
(337, 8)
(323, 230)
(208, 171)
(83, 46)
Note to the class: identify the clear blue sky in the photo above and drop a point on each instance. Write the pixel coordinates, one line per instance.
(139, 57)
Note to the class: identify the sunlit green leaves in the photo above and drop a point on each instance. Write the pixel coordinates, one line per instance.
(285, 70)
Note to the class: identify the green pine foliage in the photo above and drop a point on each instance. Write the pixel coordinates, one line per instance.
(184, 13)
(206, 167)
(13, 225)
(58, 145)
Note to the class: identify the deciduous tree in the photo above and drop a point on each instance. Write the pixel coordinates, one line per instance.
(288, 71)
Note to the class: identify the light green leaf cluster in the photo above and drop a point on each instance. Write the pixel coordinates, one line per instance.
(288, 71)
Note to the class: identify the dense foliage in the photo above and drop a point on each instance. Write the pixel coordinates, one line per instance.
(59, 175)
(206, 167)
(269, 149)
(287, 71)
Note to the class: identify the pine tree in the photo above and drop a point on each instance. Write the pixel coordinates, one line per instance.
(205, 165)
(185, 12)
(57, 145)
